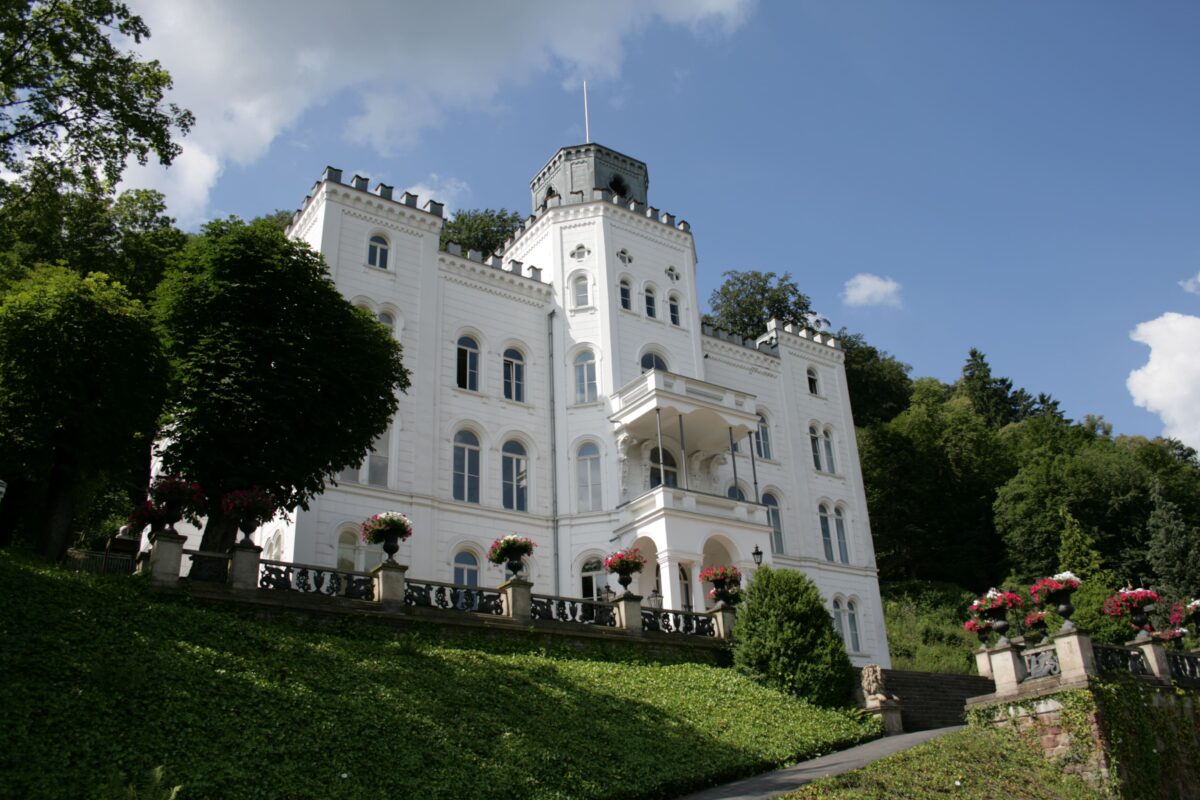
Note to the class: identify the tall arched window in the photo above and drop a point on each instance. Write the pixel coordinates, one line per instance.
(839, 523)
(585, 377)
(762, 442)
(669, 474)
(776, 520)
(653, 361)
(852, 619)
(814, 439)
(829, 462)
(466, 568)
(685, 588)
(734, 492)
(813, 385)
(466, 467)
(581, 291)
(468, 363)
(826, 533)
(347, 550)
(593, 579)
(377, 252)
(377, 459)
(588, 478)
(673, 308)
(626, 295)
(514, 375)
(514, 476)
(838, 622)
(651, 303)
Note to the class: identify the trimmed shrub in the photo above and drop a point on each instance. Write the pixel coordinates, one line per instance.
(784, 634)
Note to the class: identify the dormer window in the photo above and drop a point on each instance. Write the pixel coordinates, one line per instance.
(377, 252)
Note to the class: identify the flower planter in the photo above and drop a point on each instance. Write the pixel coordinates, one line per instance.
(1061, 600)
(515, 565)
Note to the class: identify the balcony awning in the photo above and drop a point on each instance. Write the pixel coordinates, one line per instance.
(708, 411)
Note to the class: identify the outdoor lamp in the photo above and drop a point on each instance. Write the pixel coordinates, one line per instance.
(757, 556)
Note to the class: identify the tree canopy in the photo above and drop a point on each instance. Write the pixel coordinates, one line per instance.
(482, 229)
(879, 384)
(69, 96)
(278, 382)
(747, 300)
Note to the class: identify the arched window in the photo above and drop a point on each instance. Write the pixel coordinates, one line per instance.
(826, 533)
(593, 579)
(673, 308)
(685, 588)
(838, 622)
(852, 619)
(274, 551)
(829, 462)
(651, 303)
(734, 492)
(653, 361)
(386, 320)
(581, 291)
(514, 476)
(839, 523)
(377, 459)
(347, 551)
(776, 520)
(466, 568)
(588, 480)
(814, 439)
(466, 467)
(468, 364)
(813, 385)
(585, 377)
(626, 295)
(762, 442)
(514, 375)
(377, 252)
(669, 474)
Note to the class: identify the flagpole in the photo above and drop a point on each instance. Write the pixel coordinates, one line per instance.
(587, 132)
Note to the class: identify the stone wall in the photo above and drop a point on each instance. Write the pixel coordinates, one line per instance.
(931, 700)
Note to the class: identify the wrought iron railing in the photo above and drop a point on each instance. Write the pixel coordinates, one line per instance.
(573, 609)
(1185, 667)
(328, 581)
(1119, 659)
(1041, 662)
(207, 566)
(99, 561)
(687, 622)
(453, 597)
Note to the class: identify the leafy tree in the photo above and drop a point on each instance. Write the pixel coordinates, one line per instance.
(81, 385)
(278, 381)
(482, 229)
(69, 96)
(879, 383)
(1174, 551)
(281, 218)
(784, 634)
(1077, 553)
(746, 300)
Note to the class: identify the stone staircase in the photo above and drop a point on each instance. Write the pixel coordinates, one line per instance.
(931, 700)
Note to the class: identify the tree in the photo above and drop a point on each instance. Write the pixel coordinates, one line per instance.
(69, 96)
(278, 381)
(1174, 551)
(993, 397)
(784, 634)
(879, 384)
(482, 229)
(1077, 553)
(81, 385)
(746, 300)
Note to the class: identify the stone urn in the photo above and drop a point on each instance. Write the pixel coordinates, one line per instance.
(391, 546)
(625, 577)
(1060, 599)
(998, 617)
(246, 526)
(515, 565)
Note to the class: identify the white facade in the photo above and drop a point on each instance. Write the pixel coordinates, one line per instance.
(531, 412)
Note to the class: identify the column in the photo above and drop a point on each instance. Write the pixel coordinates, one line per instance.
(669, 565)
(699, 596)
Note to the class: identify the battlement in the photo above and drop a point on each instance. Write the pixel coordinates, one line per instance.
(775, 328)
(497, 262)
(761, 345)
(360, 183)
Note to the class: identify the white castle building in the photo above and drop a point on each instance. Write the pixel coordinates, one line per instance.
(565, 389)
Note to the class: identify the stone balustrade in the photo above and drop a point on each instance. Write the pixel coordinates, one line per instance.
(388, 587)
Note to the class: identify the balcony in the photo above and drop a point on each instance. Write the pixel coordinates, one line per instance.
(703, 415)
(670, 502)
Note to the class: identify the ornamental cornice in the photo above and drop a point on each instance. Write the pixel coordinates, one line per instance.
(494, 280)
(397, 212)
(808, 347)
(308, 218)
(392, 225)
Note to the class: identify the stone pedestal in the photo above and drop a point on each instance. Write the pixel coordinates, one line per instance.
(166, 556)
(983, 663)
(723, 616)
(244, 560)
(389, 584)
(1075, 658)
(1008, 668)
(1155, 656)
(887, 709)
(629, 613)
(518, 599)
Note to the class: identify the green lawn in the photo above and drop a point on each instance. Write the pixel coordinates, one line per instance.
(101, 679)
(974, 764)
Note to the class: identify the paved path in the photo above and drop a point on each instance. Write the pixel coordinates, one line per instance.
(773, 784)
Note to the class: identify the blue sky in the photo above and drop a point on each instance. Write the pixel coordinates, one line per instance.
(1026, 175)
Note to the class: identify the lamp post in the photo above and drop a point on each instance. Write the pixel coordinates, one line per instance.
(655, 600)
(757, 553)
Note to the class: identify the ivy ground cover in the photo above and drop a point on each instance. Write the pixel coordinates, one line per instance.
(103, 681)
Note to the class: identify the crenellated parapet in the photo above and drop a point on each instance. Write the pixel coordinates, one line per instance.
(382, 197)
(496, 262)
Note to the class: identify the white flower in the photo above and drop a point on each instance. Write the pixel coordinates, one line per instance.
(1193, 605)
(1066, 576)
(993, 593)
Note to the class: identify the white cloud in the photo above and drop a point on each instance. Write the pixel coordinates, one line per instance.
(449, 191)
(1191, 284)
(249, 71)
(865, 289)
(1169, 383)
